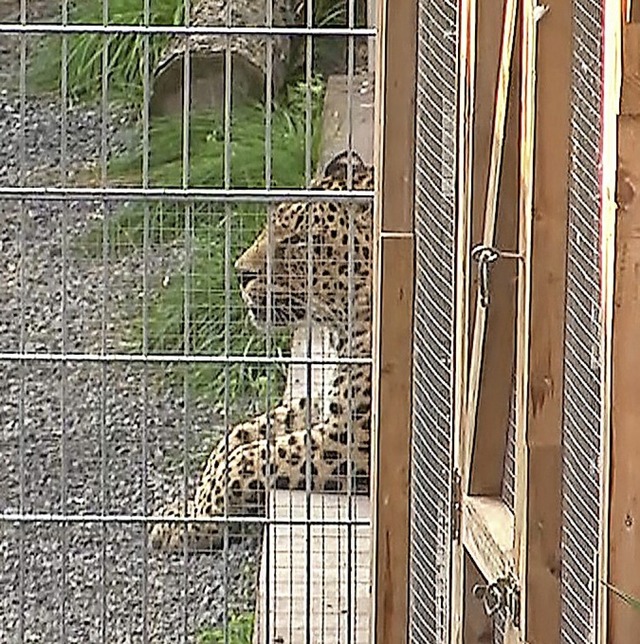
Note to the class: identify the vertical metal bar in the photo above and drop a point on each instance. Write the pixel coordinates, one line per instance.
(227, 310)
(103, 330)
(146, 97)
(21, 254)
(63, 306)
(186, 104)
(309, 368)
(268, 151)
(351, 612)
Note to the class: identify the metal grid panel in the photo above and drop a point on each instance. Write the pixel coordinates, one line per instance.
(583, 332)
(434, 315)
(103, 417)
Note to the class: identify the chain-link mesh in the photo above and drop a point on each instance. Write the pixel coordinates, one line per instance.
(583, 332)
(434, 311)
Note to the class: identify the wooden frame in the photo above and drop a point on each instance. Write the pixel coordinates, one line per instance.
(392, 342)
(524, 545)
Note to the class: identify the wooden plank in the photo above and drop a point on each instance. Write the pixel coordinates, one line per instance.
(624, 518)
(611, 99)
(487, 534)
(391, 438)
(630, 99)
(495, 386)
(465, 128)
(393, 316)
(496, 156)
(547, 55)
(329, 595)
(395, 113)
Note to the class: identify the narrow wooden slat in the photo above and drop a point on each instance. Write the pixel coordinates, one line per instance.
(624, 517)
(395, 112)
(392, 342)
(523, 320)
(392, 425)
(466, 118)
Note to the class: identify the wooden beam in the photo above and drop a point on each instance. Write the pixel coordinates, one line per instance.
(495, 386)
(465, 128)
(547, 54)
(393, 316)
(395, 112)
(624, 519)
(392, 423)
(487, 534)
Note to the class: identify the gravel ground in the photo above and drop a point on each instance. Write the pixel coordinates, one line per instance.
(74, 434)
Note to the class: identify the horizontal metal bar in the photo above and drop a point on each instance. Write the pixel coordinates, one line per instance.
(12, 517)
(171, 30)
(7, 356)
(48, 193)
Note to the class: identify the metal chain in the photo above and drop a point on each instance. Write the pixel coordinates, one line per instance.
(501, 595)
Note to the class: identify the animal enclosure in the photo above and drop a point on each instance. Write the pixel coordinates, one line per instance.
(318, 321)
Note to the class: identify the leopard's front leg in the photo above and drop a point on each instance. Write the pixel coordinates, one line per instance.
(169, 535)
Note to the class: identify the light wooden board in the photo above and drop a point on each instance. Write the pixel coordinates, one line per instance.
(315, 580)
(624, 523)
(544, 216)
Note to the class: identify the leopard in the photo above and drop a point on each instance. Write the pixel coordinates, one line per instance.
(311, 264)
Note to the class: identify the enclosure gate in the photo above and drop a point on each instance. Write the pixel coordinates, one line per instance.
(515, 113)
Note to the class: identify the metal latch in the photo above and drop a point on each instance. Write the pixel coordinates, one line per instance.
(503, 595)
(485, 256)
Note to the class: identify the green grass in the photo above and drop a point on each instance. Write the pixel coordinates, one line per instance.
(125, 72)
(240, 631)
(125, 53)
(206, 162)
(217, 321)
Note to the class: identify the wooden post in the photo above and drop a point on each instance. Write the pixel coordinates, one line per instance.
(624, 523)
(539, 511)
(393, 316)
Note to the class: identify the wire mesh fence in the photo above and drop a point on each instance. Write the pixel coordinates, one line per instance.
(168, 229)
(583, 410)
(433, 397)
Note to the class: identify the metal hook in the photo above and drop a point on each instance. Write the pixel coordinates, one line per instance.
(484, 256)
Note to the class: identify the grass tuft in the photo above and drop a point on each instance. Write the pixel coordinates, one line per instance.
(125, 52)
(240, 631)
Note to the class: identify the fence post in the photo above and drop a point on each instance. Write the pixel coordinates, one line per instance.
(393, 316)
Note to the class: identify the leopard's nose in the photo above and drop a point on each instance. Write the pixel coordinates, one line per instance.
(246, 277)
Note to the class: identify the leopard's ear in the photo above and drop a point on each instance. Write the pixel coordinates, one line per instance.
(337, 167)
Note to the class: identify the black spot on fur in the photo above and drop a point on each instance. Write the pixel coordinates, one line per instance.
(336, 408)
(283, 482)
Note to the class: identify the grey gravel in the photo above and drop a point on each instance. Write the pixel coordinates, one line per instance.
(72, 436)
